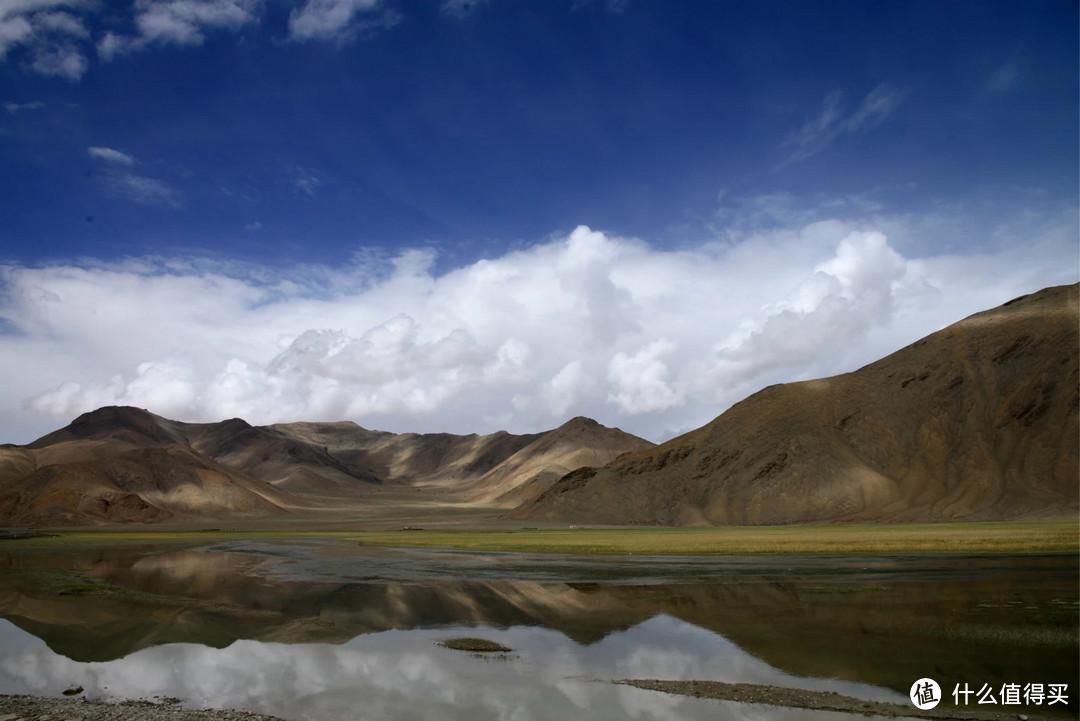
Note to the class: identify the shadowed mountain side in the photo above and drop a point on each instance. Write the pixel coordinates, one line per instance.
(135, 485)
(277, 457)
(499, 468)
(977, 422)
(122, 464)
(133, 427)
(578, 442)
(432, 459)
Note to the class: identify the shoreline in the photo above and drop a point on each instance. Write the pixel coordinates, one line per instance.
(783, 697)
(34, 708)
(41, 708)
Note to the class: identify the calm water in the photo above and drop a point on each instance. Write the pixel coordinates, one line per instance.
(328, 630)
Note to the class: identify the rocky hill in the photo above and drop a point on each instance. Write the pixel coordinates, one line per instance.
(976, 421)
(122, 464)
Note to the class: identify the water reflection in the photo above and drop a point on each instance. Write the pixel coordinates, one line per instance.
(872, 621)
(404, 675)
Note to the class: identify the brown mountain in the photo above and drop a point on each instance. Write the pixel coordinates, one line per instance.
(87, 475)
(122, 464)
(976, 421)
(498, 469)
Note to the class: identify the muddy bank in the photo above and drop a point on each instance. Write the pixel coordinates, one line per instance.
(25, 708)
(817, 700)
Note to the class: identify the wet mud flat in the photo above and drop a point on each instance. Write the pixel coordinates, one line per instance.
(34, 708)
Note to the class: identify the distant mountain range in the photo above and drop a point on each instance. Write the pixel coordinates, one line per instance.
(978, 421)
(123, 464)
(975, 422)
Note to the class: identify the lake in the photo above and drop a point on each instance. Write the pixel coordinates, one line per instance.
(324, 629)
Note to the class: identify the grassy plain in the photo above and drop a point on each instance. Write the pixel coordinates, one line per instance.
(990, 537)
(968, 537)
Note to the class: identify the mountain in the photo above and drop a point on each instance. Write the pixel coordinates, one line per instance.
(122, 464)
(108, 480)
(538, 465)
(975, 422)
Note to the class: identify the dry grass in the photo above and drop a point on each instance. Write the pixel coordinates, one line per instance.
(972, 537)
(991, 537)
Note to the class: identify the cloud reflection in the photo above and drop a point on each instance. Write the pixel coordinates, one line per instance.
(404, 675)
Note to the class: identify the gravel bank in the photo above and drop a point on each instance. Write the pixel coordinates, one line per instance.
(33, 708)
(818, 700)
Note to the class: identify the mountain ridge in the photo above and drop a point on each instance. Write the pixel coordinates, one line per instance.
(976, 422)
(120, 464)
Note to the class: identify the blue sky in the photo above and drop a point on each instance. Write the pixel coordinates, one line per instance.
(470, 215)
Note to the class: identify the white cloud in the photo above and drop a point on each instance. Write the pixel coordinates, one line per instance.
(49, 34)
(585, 324)
(337, 19)
(178, 22)
(141, 189)
(112, 45)
(16, 108)
(14, 31)
(306, 180)
(833, 122)
(118, 180)
(640, 380)
(184, 21)
(64, 61)
(561, 391)
(847, 296)
(64, 23)
(111, 156)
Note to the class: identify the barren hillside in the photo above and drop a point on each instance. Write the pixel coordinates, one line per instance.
(122, 464)
(976, 421)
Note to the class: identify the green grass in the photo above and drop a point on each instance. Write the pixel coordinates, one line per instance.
(972, 537)
(997, 537)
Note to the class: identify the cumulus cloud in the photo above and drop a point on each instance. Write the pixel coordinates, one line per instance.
(640, 379)
(833, 121)
(55, 40)
(49, 33)
(845, 297)
(584, 324)
(178, 22)
(338, 20)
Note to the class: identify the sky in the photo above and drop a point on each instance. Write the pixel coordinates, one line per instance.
(470, 215)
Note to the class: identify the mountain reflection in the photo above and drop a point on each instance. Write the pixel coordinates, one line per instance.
(874, 621)
(405, 675)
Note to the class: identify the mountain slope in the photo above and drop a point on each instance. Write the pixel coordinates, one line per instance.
(498, 469)
(977, 421)
(91, 483)
(122, 464)
(537, 466)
